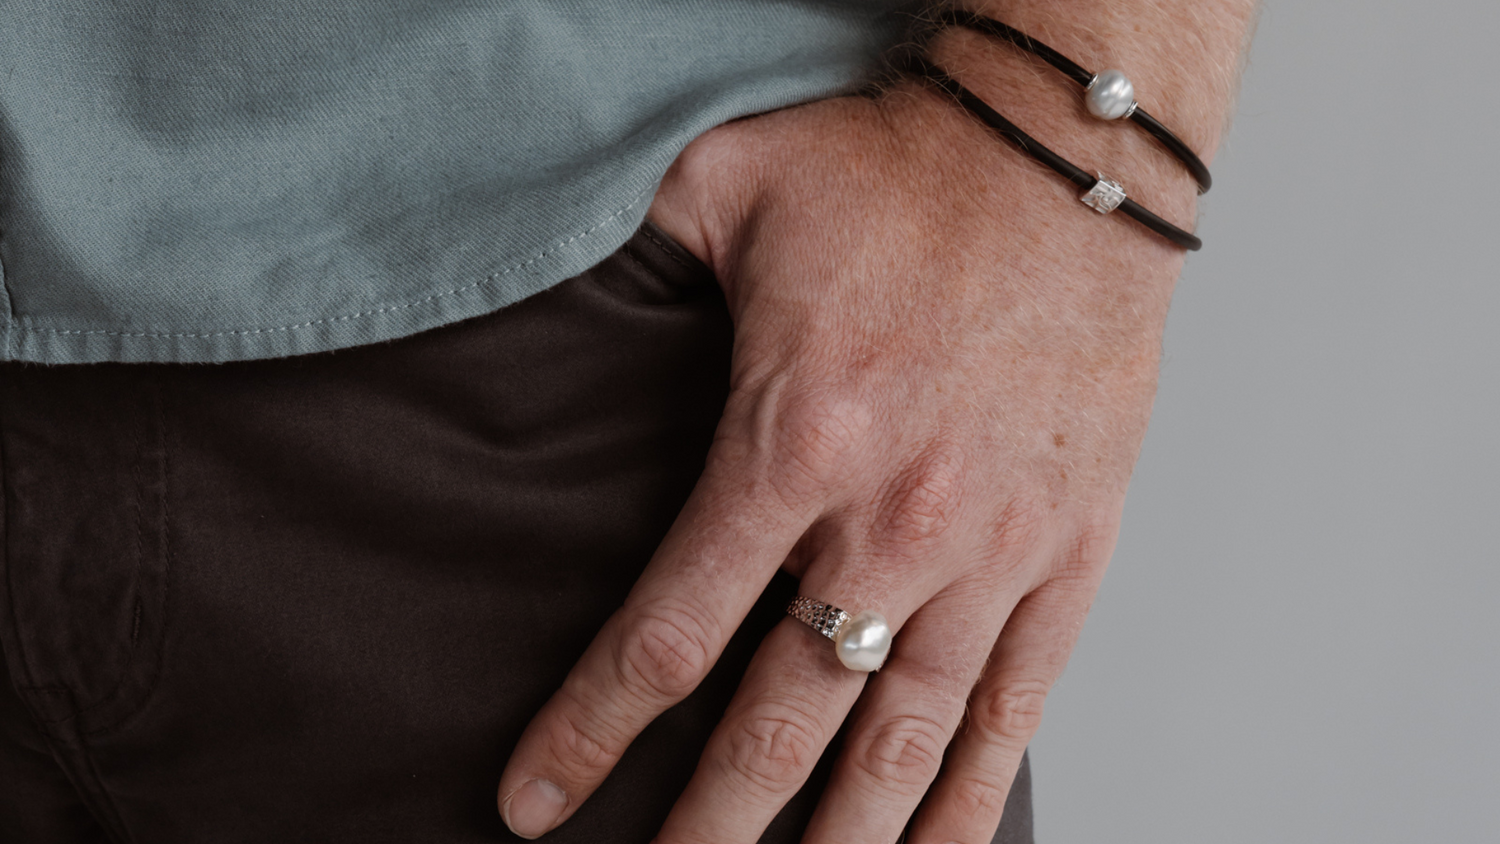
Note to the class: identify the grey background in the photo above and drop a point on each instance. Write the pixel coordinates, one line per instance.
(1299, 637)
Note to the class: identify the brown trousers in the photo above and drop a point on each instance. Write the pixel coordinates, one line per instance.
(318, 598)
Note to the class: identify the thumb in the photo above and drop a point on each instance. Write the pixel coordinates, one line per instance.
(705, 195)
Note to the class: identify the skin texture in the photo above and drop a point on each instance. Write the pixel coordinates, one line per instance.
(943, 370)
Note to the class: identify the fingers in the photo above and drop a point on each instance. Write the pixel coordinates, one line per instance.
(965, 805)
(774, 461)
(788, 707)
(715, 561)
(907, 715)
(796, 693)
(793, 698)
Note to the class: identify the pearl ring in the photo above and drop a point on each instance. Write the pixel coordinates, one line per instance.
(861, 641)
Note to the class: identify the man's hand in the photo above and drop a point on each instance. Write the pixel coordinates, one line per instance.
(943, 370)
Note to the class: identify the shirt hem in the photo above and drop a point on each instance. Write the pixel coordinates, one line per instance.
(561, 260)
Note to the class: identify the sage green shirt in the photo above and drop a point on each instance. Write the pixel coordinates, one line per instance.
(210, 180)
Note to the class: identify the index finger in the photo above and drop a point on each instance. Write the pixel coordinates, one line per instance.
(721, 552)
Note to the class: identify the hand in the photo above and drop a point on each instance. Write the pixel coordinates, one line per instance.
(942, 373)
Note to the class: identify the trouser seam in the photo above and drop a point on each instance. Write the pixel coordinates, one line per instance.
(83, 773)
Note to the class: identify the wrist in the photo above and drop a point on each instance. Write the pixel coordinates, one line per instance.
(1184, 56)
(1179, 79)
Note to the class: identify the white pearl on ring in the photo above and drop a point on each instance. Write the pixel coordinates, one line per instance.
(1110, 96)
(863, 642)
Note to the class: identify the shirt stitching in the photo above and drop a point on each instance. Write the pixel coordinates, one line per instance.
(10, 310)
(346, 317)
(667, 250)
(11, 319)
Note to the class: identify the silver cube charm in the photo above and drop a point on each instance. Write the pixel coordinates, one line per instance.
(1105, 196)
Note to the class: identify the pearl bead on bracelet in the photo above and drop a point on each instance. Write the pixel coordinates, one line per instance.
(1110, 96)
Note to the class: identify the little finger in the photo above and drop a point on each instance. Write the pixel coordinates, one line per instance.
(966, 803)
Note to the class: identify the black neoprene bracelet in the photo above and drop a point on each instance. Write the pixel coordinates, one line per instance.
(1101, 194)
(1069, 68)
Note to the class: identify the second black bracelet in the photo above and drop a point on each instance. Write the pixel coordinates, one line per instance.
(1101, 194)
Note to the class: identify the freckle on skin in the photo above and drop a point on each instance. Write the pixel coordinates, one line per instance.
(1059, 440)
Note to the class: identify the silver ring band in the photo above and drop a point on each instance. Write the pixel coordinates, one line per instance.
(824, 618)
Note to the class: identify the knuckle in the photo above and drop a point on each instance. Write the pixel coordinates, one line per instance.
(664, 654)
(924, 501)
(1018, 529)
(1090, 550)
(903, 753)
(1013, 712)
(580, 749)
(977, 798)
(814, 436)
(772, 752)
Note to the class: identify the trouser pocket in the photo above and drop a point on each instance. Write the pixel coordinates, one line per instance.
(86, 541)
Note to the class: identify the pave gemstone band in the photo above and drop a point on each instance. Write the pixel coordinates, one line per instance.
(824, 618)
(861, 641)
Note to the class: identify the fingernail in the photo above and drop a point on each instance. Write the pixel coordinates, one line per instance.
(534, 808)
